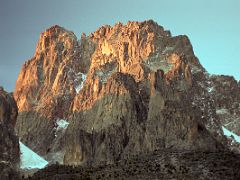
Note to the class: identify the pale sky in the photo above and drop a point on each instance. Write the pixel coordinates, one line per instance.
(212, 26)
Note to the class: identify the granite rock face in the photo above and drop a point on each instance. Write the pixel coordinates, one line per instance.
(120, 91)
(226, 93)
(9, 147)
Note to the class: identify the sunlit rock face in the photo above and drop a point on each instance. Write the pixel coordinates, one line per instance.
(123, 90)
(9, 147)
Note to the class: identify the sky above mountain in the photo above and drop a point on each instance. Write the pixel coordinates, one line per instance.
(212, 27)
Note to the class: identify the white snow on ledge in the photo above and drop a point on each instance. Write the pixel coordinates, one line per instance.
(83, 79)
(222, 111)
(29, 159)
(210, 89)
(230, 133)
(62, 124)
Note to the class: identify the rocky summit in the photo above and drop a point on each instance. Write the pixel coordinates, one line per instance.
(121, 91)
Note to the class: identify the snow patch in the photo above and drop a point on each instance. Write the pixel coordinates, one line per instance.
(210, 89)
(228, 133)
(82, 77)
(62, 124)
(29, 159)
(222, 111)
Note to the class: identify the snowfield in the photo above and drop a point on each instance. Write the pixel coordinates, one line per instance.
(29, 159)
(229, 134)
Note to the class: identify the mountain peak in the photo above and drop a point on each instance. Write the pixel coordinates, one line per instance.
(54, 29)
(123, 89)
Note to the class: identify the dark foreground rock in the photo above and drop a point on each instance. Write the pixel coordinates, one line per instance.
(157, 165)
(9, 147)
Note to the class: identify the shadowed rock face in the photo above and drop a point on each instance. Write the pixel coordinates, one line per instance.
(9, 147)
(124, 90)
(226, 93)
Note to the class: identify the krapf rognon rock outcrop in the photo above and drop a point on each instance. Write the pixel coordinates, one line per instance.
(9, 147)
(122, 90)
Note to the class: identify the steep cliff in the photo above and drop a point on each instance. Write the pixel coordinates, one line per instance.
(122, 90)
(9, 147)
(226, 94)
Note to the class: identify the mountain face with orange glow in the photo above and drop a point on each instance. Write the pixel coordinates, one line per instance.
(122, 90)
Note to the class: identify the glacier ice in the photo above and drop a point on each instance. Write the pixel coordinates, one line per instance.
(230, 133)
(29, 159)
